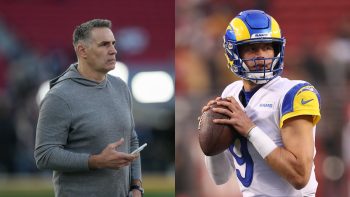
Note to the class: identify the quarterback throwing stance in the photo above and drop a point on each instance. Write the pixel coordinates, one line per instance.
(275, 116)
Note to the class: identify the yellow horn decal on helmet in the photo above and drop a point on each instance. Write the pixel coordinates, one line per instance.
(240, 29)
(275, 29)
(229, 27)
(230, 62)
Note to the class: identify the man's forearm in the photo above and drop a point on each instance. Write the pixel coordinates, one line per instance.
(56, 158)
(295, 170)
(218, 167)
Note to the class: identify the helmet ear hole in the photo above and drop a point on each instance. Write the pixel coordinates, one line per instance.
(239, 50)
(277, 47)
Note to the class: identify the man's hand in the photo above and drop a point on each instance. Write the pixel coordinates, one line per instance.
(238, 118)
(211, 102)
(111, 158)
(136, 193)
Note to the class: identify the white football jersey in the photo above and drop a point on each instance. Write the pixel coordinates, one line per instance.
(273, 103)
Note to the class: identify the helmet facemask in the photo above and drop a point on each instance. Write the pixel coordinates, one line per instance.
(263, 72)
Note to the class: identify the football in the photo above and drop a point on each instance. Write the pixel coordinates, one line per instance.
(215, 138)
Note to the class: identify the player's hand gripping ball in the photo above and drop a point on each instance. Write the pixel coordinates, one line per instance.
(215, 138)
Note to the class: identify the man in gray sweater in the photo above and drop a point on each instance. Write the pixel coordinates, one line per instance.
(85, 130)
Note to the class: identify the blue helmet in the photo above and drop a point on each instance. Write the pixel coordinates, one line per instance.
(254, 26)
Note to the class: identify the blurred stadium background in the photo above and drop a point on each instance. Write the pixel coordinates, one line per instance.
(36, 45)
(317, 50)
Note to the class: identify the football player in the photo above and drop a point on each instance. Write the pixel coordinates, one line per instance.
(275, 116)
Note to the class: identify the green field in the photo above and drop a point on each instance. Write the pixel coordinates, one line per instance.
(50, 193)
(154, 185)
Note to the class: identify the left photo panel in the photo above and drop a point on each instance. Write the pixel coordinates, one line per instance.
(87, 98)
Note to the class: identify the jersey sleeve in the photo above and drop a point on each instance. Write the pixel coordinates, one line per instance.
(302, 99)
(232, 88)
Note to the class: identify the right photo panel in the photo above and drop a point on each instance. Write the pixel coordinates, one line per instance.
(262, 100)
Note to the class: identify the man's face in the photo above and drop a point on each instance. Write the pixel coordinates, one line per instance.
(257, 51)
(101, 50)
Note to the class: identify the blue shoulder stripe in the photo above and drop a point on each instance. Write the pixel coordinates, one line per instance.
(287, 105)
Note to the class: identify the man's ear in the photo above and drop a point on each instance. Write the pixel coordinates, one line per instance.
(81, 50)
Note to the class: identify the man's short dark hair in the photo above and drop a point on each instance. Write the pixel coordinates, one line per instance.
(82, 32)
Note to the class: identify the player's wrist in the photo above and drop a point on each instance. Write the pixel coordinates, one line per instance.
(261, 141)
(93, 162)
(249, 130)
(137, 188)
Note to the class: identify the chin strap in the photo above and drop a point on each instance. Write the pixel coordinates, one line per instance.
(258, 78)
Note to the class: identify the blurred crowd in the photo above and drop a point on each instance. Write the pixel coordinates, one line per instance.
(22, 72)
(317, 50)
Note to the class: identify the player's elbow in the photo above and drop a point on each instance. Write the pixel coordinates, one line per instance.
(300, 182)
(301, 175)
(40, 159)
(220, 180)
(40, 164)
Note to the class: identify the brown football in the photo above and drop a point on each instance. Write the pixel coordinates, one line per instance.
(215, 138)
